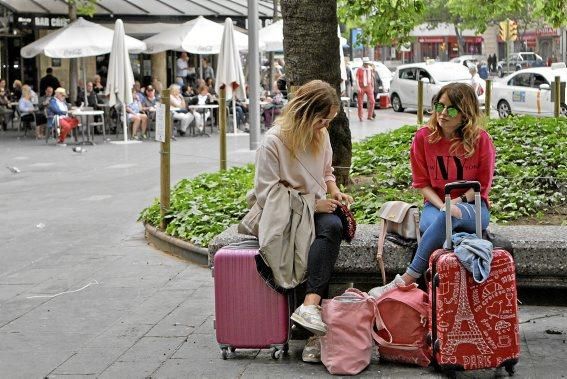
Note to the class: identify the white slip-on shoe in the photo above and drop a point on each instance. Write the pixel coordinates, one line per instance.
(377, 292)
(309, 317)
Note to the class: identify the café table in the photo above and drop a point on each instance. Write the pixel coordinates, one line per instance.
(84, 115)
(204, 108)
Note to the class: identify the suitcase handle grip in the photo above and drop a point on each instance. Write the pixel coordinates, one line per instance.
(462, 184)
(475, 185)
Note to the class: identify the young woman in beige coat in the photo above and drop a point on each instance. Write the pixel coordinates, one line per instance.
(297, 151)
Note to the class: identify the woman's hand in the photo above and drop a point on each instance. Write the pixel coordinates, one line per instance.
(326, 205)
(455, 211)
(343, 198)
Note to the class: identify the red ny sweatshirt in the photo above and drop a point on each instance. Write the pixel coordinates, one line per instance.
(433, 165)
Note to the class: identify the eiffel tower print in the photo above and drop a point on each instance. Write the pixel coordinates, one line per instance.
(457, 336)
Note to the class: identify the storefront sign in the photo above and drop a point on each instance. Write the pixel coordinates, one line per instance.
(431, 39)
(50, 22)
(24, 21)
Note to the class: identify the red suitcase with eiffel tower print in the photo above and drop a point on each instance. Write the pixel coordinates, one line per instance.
(473, 325)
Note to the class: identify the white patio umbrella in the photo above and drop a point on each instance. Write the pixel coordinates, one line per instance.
(198, 36)
(120, 79)
(229, 69)
(79, 39)
(271, 37)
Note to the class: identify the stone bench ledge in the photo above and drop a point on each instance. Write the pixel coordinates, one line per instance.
(540, 253)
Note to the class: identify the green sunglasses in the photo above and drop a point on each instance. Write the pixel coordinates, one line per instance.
(451, 111)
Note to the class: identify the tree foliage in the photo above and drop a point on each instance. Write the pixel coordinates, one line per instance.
(83, 7)
(382, 21)
(388, 21)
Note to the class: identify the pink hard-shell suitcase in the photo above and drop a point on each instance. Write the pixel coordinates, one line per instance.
(248, 313)
(473, 325)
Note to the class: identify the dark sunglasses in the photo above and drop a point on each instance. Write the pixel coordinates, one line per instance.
(451, 111)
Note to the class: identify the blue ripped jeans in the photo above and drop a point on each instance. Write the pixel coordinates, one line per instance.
(432, 226)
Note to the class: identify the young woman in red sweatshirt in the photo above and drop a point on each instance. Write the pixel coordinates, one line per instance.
(452, 146)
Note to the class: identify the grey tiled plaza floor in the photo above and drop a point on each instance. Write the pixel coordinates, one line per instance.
(82, 294)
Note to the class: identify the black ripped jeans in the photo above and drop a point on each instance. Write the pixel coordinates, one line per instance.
(323, 253)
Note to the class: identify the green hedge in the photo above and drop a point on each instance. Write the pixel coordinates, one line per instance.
(530, 178)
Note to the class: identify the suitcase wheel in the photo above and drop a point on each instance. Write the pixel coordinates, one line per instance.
(510, 368)
(276, 354)
(224, 353)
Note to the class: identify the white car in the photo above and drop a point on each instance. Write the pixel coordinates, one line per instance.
(403, 87)
(528, 91)
(384, 74)
(518, 61)
(469, 60)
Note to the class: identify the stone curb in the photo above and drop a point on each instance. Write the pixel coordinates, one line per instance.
(175, 246)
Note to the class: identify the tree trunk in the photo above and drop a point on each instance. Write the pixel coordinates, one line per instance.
(276, 16)
(311, 48)
(460, 40)
(73, 63)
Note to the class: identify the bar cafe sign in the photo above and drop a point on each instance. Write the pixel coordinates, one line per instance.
(50, 22)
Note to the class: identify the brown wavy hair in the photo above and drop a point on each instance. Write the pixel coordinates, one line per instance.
(462, 97)
(311, 103)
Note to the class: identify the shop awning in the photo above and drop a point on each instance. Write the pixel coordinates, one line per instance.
(171, 8)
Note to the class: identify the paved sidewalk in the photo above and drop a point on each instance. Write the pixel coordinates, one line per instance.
(82, 294)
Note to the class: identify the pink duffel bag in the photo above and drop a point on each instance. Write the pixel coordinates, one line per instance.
(401, 326)
(346, 349)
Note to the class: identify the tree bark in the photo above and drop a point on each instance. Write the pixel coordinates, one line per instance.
(73, 63)
(311, 48)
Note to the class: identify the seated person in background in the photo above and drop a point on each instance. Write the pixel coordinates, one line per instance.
(97, 85)
(58, 107)
(210, 83)
(137, 116)
(151, 99)
(5, 112)
(46, 98)
(150, 102)
(274, 107)
(179, 109)
(17, 90)
(203, 98)
(92, 97)
(241, 110)
(27, 110)
(187, 91)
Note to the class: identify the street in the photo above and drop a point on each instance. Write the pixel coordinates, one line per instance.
(83, 294)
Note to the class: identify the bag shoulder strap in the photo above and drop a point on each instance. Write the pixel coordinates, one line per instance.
(379, 324)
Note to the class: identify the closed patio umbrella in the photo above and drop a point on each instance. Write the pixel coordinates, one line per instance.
(229, 69)
(120, 78)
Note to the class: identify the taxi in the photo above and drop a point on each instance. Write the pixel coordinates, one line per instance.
(529, 91)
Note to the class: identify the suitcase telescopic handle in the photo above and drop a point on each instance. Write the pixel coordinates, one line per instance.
(475, 185)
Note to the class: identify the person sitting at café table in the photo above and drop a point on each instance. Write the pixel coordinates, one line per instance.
(58, 107)
(204, 98)
(179, 109)
(150, 102)
(137, 116)
(97, 84)
(5, 111)
(16, 90)
(27, 110)
(274, 106)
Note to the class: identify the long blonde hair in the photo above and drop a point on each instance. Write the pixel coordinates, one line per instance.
(462, 97)
(311, 103)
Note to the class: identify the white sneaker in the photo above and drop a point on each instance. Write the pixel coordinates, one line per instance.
(377, 292)
(312, 350)
(309, 316)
